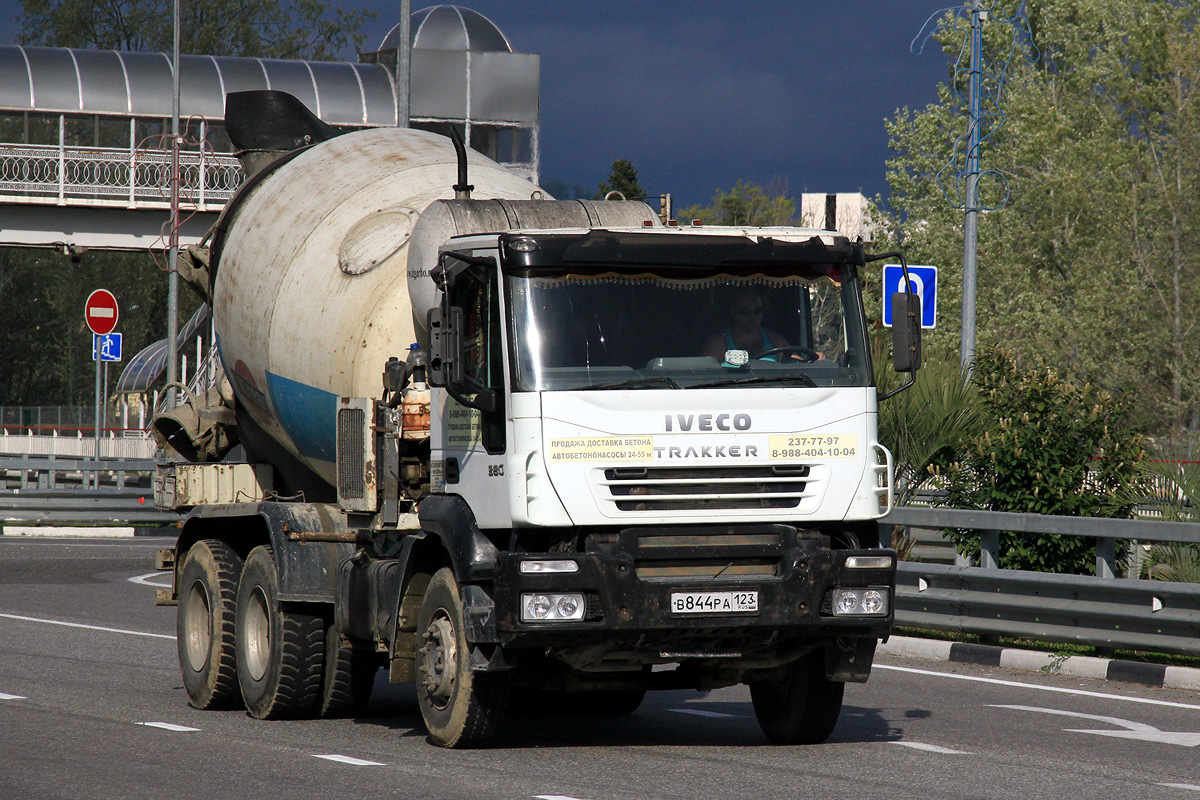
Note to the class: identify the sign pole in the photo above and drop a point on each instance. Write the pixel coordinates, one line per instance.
(96, 426)
(101, 313)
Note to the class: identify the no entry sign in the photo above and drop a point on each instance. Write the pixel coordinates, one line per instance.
(100, 312)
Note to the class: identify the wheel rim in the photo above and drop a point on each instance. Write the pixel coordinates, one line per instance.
(197, 626)
(440, 660)
(257, 627)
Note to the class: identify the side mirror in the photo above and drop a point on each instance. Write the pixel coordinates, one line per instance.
(445, 346)
(446, 360)
(906, 332)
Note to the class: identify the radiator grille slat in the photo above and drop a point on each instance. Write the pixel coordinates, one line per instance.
(706, 488)
(351, 457)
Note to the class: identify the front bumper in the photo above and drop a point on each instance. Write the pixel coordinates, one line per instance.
(628, 576)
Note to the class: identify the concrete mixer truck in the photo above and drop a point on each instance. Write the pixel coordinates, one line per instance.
(518, 452)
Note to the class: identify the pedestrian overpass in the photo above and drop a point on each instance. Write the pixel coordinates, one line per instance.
(85, 148)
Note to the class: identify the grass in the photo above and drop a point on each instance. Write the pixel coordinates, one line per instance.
(1057, 648)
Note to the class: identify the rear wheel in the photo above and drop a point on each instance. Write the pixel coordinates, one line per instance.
(280, 651)
(349, 676)
(797, 704)
(205, 623)
(461, 708)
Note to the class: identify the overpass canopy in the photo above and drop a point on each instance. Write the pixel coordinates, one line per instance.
(463, 68)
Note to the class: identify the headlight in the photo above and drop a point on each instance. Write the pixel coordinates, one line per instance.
(860, 602)
(552, 607)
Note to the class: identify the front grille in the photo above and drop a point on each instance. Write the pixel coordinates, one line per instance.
(706, 488)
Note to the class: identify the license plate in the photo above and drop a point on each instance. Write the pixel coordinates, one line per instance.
(714, 602)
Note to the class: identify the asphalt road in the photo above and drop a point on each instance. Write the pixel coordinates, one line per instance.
(91, 706)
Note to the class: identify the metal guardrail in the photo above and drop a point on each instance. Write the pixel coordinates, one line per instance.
(55, 491)
(1102, 610)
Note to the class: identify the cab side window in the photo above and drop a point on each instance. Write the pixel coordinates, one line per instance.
(477, 292)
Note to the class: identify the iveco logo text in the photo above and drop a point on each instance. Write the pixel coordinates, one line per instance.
(709, 422)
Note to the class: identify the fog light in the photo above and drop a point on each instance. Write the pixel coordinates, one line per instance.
(548, 607)
(860, 602)
(549, 565)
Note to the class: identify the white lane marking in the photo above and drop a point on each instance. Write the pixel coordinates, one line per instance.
(168, 726)
(1133, 730)
(358, 762)
(66, 532)
(699, 712)
(1120, 723)
(29, 541)
(553, 797)
(144, 580)
(86, 627)
(1034, 686)
(932, 748)
(1190, 786)
(4, 696)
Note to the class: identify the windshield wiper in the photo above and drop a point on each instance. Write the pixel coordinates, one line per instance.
(757, 379)
(632, 382)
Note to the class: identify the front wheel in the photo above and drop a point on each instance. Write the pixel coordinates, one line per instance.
(461, 708)
(280, 652)
(204, 626)
(797, 704)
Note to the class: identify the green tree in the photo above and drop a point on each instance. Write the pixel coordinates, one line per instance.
(1088, 265)
(623, 179)
(1054, 448)
(927, 425)
(262, 28)
(745, 204)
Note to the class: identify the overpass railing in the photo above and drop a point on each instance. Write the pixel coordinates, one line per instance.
(1100, 610)
(114, 177)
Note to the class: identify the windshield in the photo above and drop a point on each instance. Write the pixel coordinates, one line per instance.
(656, 328)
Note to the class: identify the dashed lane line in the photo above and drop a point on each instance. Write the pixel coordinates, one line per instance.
(553, 797)
(1189, 786)
(1058, 689)
(169, 726)
(932, 748)
(86, 627)
(4, 696)
(357, 762)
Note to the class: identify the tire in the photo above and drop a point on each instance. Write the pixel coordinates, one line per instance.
(798, 704)
(461, 708)
(280, 652)
(349, 677)
(205, 623)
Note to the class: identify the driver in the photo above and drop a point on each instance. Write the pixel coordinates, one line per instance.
(745, 331)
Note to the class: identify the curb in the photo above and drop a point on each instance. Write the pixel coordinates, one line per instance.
(1035, 661)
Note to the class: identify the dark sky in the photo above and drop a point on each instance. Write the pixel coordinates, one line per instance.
(702, 94)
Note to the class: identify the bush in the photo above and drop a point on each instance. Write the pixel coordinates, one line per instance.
(1056, 448)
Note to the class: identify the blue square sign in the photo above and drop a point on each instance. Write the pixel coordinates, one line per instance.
(924, 283)
(106, 347)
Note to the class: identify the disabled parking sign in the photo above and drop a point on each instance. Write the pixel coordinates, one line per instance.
(924, 284)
